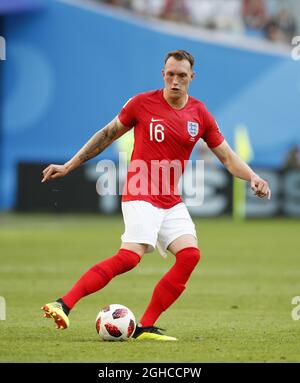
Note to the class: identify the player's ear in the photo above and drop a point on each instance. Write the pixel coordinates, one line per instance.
(163, 72)
(193, 75)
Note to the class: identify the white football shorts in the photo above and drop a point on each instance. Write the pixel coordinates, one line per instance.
(155, 227)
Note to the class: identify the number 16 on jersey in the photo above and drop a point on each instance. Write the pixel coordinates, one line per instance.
(156, 131)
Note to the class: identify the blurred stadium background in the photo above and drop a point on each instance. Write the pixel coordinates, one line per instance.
(71, 65)
(69, 68)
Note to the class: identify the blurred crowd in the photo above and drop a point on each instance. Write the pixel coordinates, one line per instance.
(292, 159)
(268, 19)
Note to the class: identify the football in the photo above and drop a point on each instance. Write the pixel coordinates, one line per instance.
(115, 323)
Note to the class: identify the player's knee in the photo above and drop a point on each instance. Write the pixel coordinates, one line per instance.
(137, 248)
(193, 257)
(189, 256)
(128, 258)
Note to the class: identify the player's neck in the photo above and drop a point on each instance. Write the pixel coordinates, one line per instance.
(176, 103)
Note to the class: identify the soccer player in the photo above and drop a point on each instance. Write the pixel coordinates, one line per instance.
(167, 124)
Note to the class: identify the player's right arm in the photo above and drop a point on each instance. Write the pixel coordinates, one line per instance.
(96, 144)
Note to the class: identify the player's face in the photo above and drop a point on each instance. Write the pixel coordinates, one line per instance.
(177, 75)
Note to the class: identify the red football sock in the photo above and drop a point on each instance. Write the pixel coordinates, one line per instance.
(100, 274)
(171, 285)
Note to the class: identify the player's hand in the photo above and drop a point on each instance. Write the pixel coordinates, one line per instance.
(54, 171)
(260, 187)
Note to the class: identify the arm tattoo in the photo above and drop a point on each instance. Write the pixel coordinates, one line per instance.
(100, 141)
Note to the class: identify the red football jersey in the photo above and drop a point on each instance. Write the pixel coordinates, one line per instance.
(164, 138)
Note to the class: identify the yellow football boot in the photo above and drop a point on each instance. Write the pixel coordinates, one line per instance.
(55, 311)
(151, 333)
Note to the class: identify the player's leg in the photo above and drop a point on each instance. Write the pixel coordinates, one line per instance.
(139, 248)
(93, 280)
(102, 273)
(172, 284)
(134, 244)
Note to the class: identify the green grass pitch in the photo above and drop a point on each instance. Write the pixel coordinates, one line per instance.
(236, 308)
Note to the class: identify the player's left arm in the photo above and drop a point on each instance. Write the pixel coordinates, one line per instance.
(238, 168)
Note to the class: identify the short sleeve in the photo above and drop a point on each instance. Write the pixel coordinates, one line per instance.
(128, 114)
(212, 135)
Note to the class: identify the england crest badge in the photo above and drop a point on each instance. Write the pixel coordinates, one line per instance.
(193, 128)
